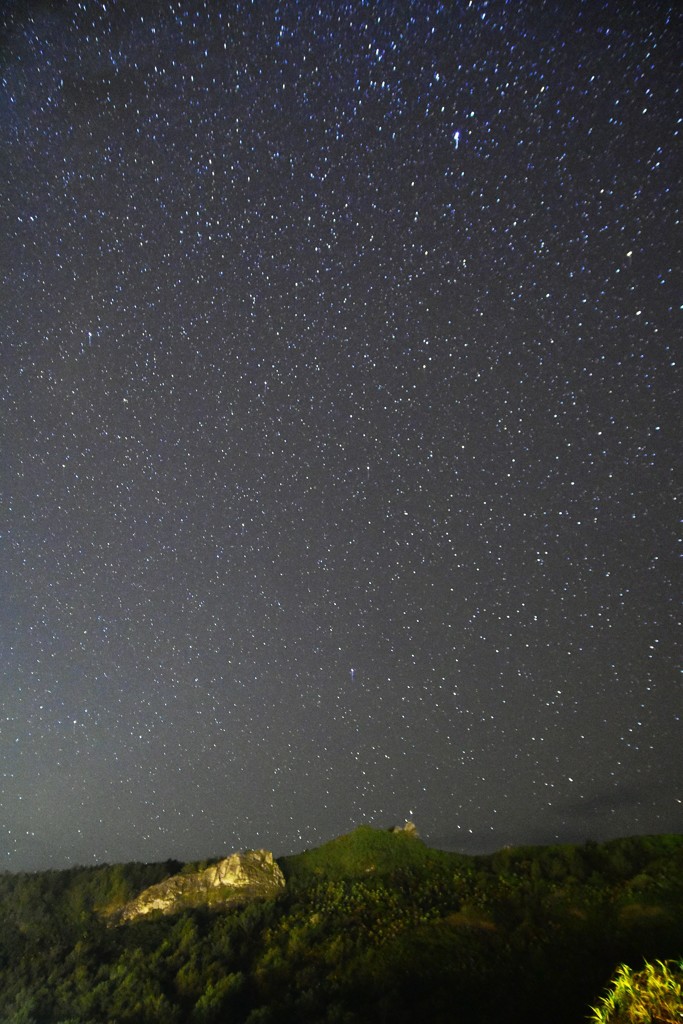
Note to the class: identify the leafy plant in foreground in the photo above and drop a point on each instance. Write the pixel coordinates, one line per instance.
(651, 996)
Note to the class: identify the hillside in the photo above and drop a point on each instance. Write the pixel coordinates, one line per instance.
(367, 851)
(373, 926)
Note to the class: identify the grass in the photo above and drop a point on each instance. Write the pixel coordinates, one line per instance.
(366, 852)
(653, 995)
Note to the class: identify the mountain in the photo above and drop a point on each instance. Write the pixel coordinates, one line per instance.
(372, 926)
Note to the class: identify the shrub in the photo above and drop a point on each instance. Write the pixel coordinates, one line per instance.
(651, 996)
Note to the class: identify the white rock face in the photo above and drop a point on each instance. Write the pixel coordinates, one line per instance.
(240, 869)
(249, 875)
(409, 829)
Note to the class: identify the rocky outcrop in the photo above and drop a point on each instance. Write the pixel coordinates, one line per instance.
(236, 879)
(409, 829)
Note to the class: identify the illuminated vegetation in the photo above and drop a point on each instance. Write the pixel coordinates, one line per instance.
(372, 926)
(653, 995)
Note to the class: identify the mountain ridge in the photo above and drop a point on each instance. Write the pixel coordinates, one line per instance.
(373, 925)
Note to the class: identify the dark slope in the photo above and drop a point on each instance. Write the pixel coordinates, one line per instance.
(373, 926)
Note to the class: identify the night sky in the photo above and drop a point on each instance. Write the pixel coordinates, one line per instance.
(338, 413)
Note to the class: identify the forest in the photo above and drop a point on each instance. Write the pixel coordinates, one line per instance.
(373, 926)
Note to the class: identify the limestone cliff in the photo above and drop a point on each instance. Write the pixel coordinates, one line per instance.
(236, 879)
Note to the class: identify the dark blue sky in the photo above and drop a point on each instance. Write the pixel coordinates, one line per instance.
(338, 408)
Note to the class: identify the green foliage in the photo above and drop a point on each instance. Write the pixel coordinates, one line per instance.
(373, 926)
(217, 998)
(364, 851)
(653, 995)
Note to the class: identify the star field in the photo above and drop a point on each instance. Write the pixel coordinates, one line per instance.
(338, 411)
